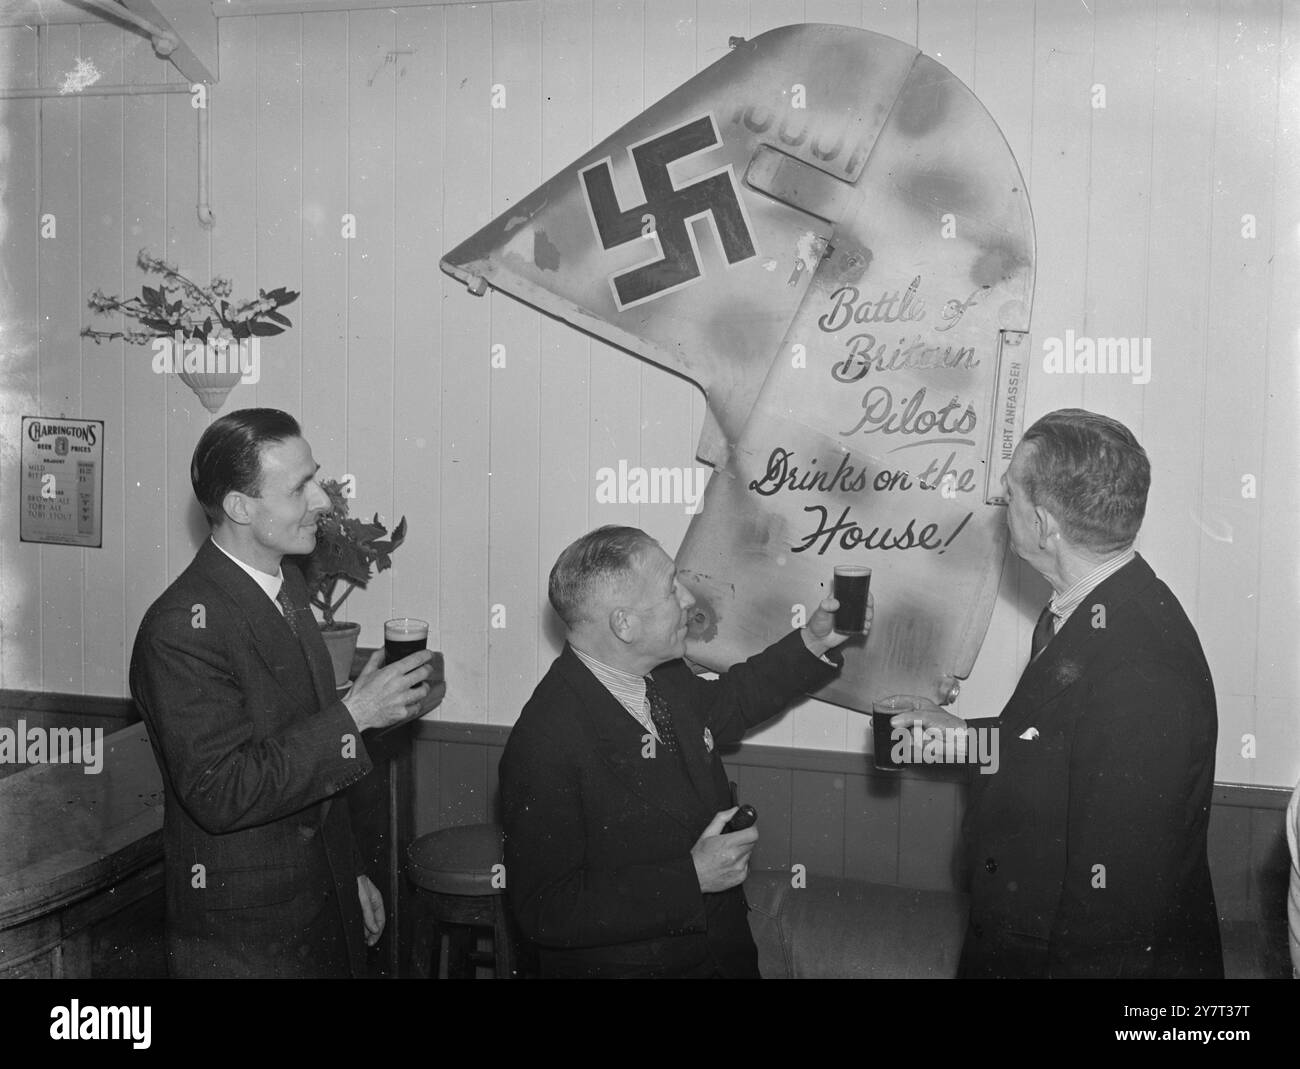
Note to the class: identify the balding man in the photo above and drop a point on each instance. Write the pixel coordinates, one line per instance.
(613, 791)
(1087, 847)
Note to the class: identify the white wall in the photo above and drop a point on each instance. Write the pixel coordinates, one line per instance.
(386, 114)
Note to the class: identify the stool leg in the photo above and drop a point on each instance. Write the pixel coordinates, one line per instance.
(503, 941)
(460, 940)
(426, 942)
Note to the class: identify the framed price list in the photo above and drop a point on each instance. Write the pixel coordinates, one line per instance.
(62, 481)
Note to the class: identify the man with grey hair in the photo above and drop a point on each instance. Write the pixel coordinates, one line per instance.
(1087, 849)
(613, 791)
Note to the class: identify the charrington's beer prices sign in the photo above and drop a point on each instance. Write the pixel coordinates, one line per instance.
(62, 481)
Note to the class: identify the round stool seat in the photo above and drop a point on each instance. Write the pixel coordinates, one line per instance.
(457, 861)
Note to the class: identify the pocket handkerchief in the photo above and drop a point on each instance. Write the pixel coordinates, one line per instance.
(1030, 735)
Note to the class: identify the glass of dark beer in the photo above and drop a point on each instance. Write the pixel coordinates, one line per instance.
(403, 637)
(885, 739)
(852, 583)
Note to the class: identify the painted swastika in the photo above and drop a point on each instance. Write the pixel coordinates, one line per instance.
(667, 212)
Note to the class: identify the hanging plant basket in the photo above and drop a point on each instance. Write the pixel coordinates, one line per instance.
(211, 388)
(184, 314)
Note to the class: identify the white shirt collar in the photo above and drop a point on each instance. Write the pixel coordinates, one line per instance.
(269, 583)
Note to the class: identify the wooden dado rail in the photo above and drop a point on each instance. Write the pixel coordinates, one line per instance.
(838, 816)
(829, 811)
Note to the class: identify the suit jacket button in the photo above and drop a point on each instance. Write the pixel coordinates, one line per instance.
(990, 865)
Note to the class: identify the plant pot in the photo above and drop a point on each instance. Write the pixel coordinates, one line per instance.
(341, 641)
(211, 387)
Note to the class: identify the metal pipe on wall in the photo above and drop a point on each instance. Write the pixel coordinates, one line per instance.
(204, 209)
(50, 93)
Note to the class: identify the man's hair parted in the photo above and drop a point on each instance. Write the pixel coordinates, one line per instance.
(229, 455)
(1090, 472)
(606, 554)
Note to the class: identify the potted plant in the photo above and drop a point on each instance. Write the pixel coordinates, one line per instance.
(346, 550)
(196, 332)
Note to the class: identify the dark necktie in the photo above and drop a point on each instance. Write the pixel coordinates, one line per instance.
(322, 672)
(290, 610)
(1044, 631)
(660, 716)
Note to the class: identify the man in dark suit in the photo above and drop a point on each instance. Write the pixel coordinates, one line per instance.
(612, 788)
(236, 690)
(1087, 846)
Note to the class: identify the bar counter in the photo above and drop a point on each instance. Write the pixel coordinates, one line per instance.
(81, 865)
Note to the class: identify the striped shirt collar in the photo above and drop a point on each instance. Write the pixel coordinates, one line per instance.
(1064, 604)
(629, 689)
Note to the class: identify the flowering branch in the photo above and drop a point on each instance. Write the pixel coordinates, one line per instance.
(180, 305)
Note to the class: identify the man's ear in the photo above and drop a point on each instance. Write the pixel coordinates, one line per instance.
(235, 506)
(623, 624)
(1048, 528)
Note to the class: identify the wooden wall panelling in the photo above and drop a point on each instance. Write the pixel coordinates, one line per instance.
(1229, 842)
(766, 15)
(372, 314)
(817, 821)
(833, 12)
(104, 643)
(493, 757)
(1059, 162)
(666, 400)
(1119, 202)
(1184, 87)
(618, 59)
(425, 784)
(1002, 77)
(466, 336)
(713, 23)
(143, 433)
(1178, 281)
(277, 253)
(894, 18)
(236, 108)
(516, 477)
(1270, 871)
(62, 571)
(1277, 670)
(871, 827)
(565, 404)
(419, 161)
(320, 316)
(21, 612)
(1056, 150)
(927, 834)
(1232, 442)
(189, 246)
(770, 792)
(828, 812)
(462, 784)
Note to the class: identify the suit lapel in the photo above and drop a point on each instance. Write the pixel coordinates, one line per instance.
(1065, 660)
(274, 643)
(690, 737)
(618, 741)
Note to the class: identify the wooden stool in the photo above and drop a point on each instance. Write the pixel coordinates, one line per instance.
(452, 870)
